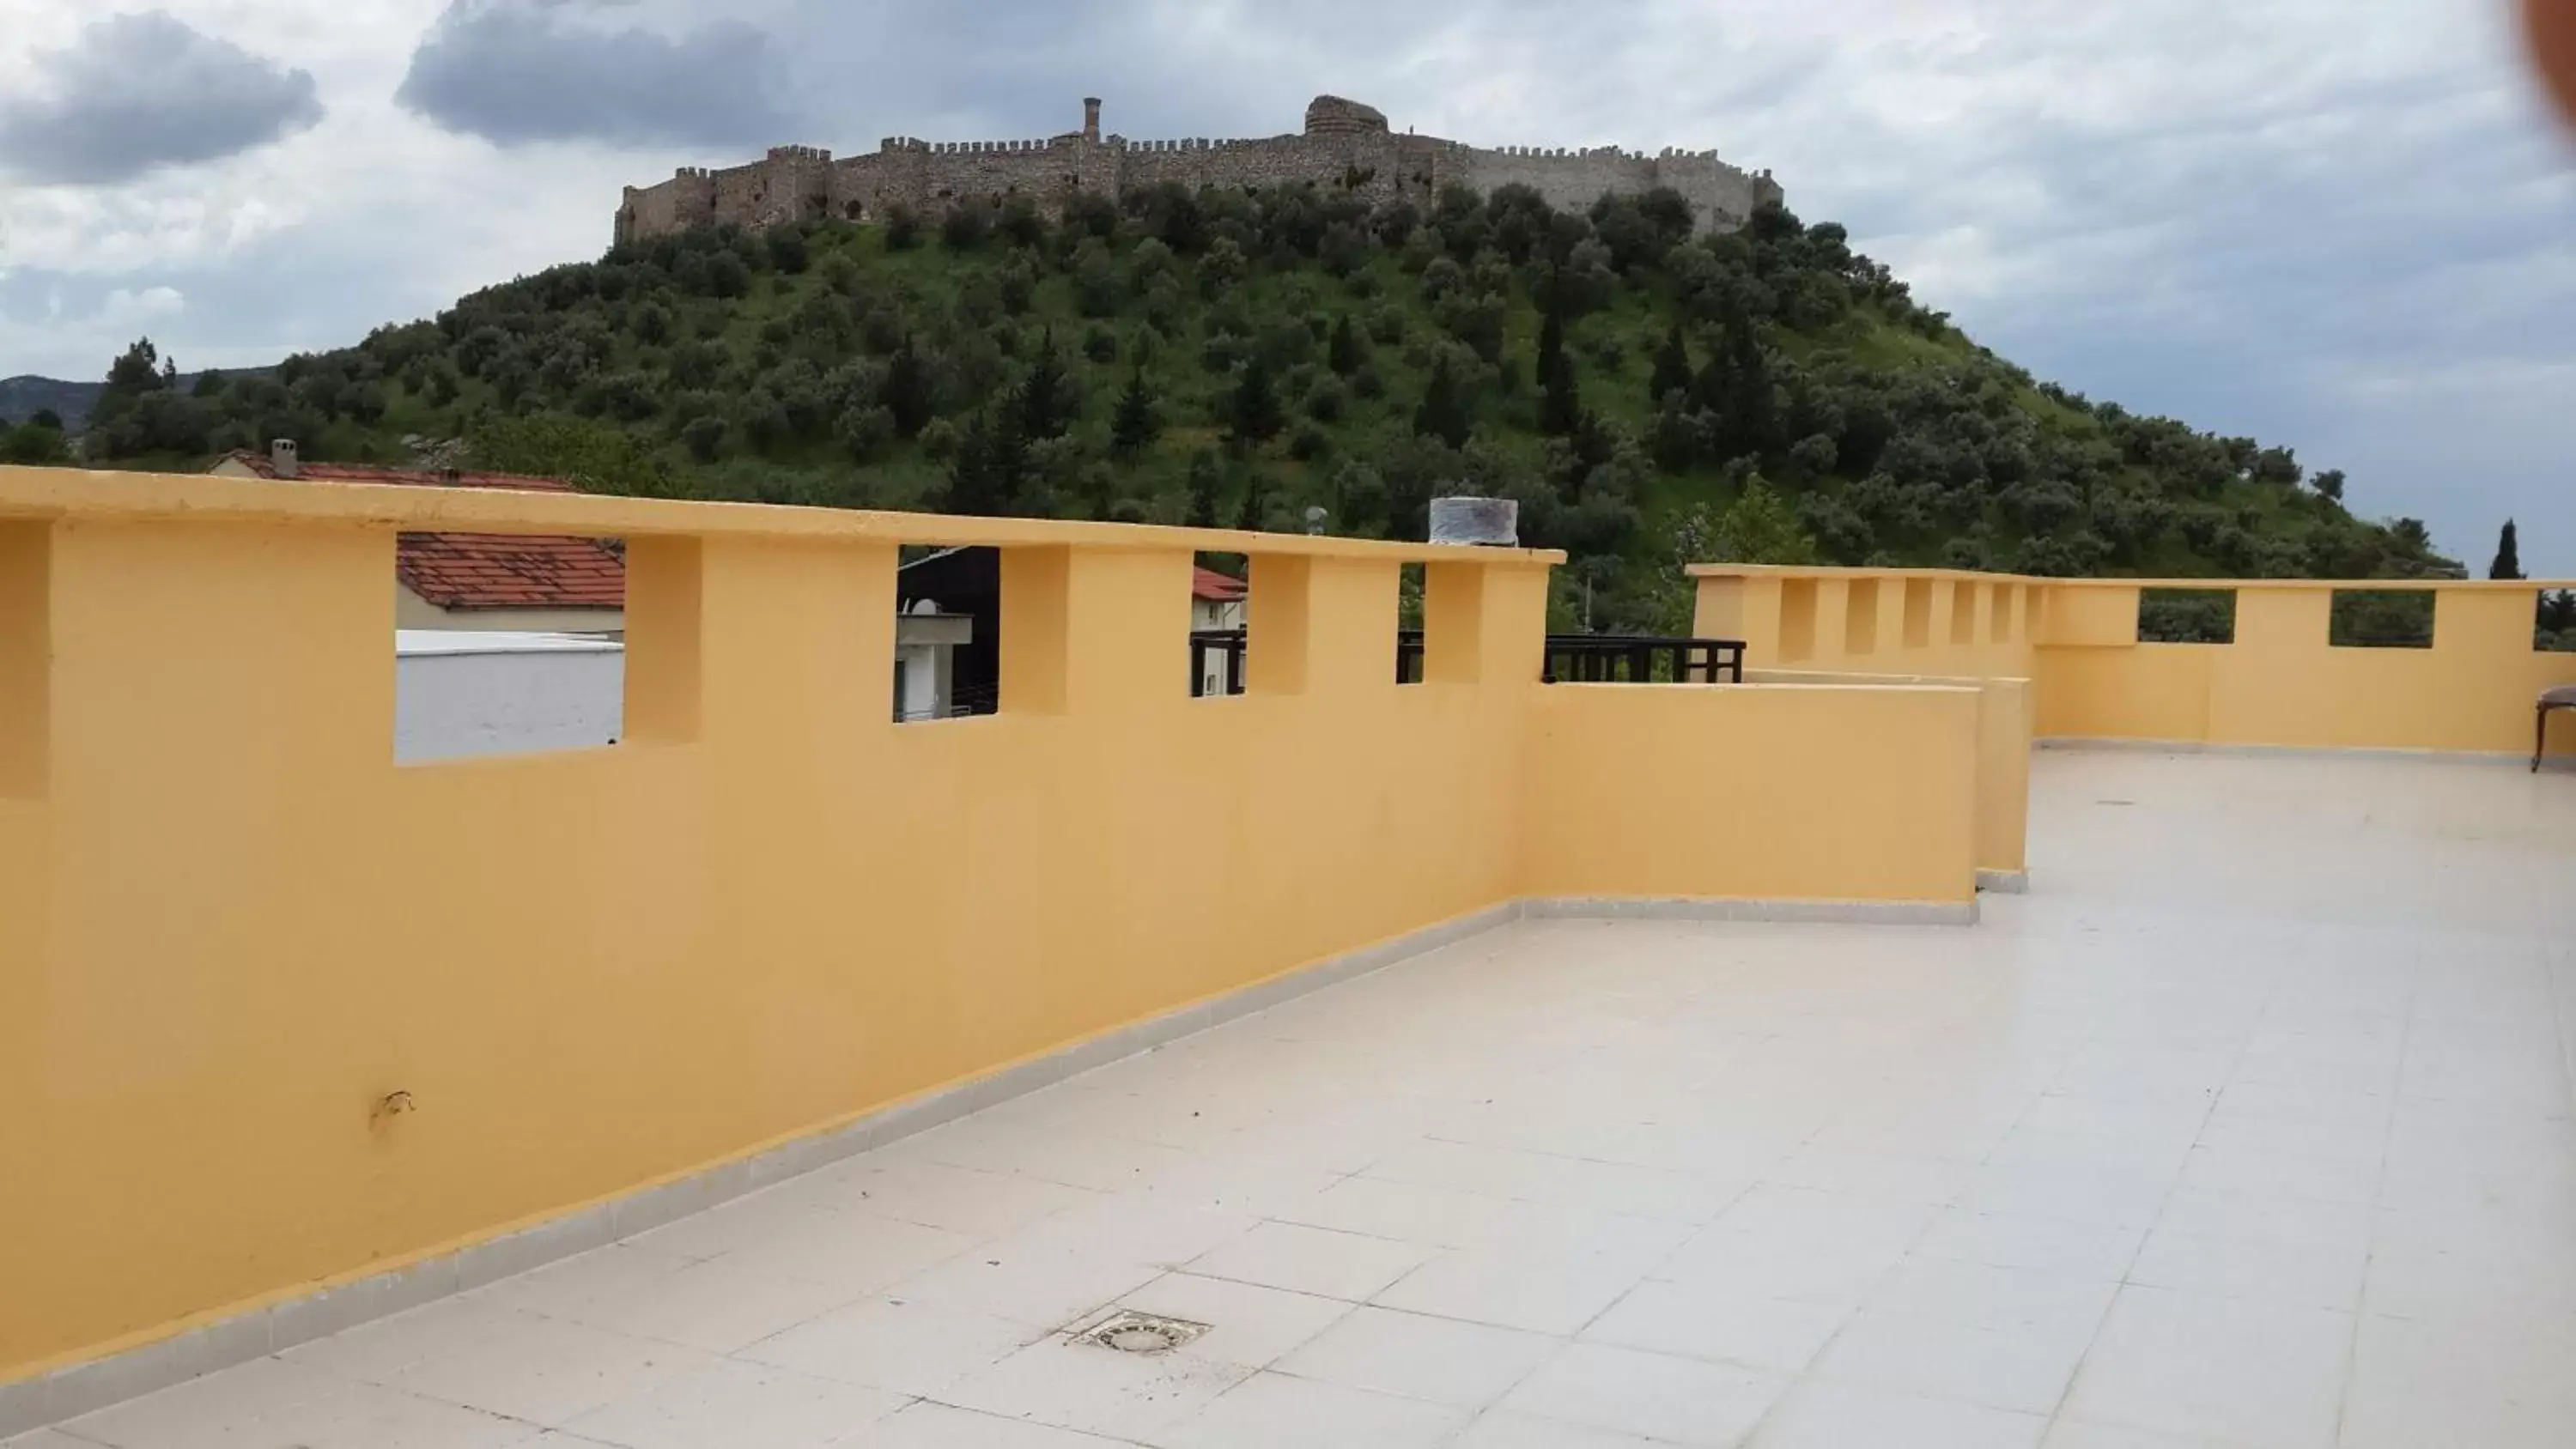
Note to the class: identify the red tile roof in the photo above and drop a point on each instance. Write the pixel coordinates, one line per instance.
(467, 571)
(1214, 587)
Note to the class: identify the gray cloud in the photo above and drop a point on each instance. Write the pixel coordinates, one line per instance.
(137, 92)
(529, 72)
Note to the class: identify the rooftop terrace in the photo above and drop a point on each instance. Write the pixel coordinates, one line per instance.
(2251, 1129)
(1467, 1062)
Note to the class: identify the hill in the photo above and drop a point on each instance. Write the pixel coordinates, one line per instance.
(25, 396)
(1243, 358)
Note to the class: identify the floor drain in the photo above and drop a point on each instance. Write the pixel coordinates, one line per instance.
(1141, 1333)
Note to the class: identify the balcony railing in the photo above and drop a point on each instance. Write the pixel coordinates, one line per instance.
(1217, 660)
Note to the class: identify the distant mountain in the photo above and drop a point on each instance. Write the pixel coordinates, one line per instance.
(22, 396)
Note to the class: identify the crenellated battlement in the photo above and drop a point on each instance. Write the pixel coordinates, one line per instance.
(1344, 144)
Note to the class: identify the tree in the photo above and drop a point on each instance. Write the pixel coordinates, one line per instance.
(1205, 474)
(2330, 484)
(1133, 428)
(1443, 412)
(1736, 385)
(136, 370)
(32, 442)
(1560, 403)
(1758, 527)
(1044, 399)
(1254, 415)
(703, 435)
(1672, 368)
(984, 477)
(1254, 515)
(1346, 351)
(906, 391)
(2508, 558)
(787, 249)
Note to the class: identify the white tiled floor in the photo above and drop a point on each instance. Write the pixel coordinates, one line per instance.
(2250, 1128)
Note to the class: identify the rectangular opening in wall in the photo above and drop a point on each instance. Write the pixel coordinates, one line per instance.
(2186, 616)
(507, 644)
(1220, 634)
(947, 634)
(1918, 613)
(1860, 616)
(2553, 624)
(1963, 613)
(1410, 579)
(26, 642)
(2382, 619)
(2005, 599)
(1797, 620)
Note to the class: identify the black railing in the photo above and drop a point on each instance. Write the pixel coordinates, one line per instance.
(1216, 660)
(1225, 646)
(1641, 659)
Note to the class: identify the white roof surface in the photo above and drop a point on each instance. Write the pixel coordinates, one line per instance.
(412, 643)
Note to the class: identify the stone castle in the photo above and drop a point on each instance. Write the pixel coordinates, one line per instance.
(1345, 144)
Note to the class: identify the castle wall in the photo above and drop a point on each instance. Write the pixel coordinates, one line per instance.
(1345, 145)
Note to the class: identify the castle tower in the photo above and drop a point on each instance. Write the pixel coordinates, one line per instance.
(1091, 118)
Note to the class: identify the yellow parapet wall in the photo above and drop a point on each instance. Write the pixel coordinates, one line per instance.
(232, 929)
(2280, 683)
(1646, 791)
(2003, 758)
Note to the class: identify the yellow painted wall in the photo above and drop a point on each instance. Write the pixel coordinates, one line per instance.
(2280, 683)
(1647, 791)
(2004, 733)
(230, 925)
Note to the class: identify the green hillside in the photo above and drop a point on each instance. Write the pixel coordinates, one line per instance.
(1235, 358)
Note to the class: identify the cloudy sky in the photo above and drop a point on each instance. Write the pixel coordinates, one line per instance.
(2342, 226)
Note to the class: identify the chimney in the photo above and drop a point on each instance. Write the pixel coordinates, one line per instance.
(281, 457)
(1091, 118)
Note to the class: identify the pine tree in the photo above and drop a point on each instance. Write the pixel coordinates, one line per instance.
(1672, 369)
(1133, 428)
(1254, 415)
(1044, 400)
(1560, 404)
(2508, 559)
(1443, 413)
(1345, 352)
(136, 370)
(906, 390)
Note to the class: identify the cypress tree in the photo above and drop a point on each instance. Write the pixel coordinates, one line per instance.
(1044, 403)
(2508, 559)
(1345, 352)
(1560, 403)
(1672, 368)
(906, 391)
(1133, 428)
(1443, 413)
(1255, 416)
